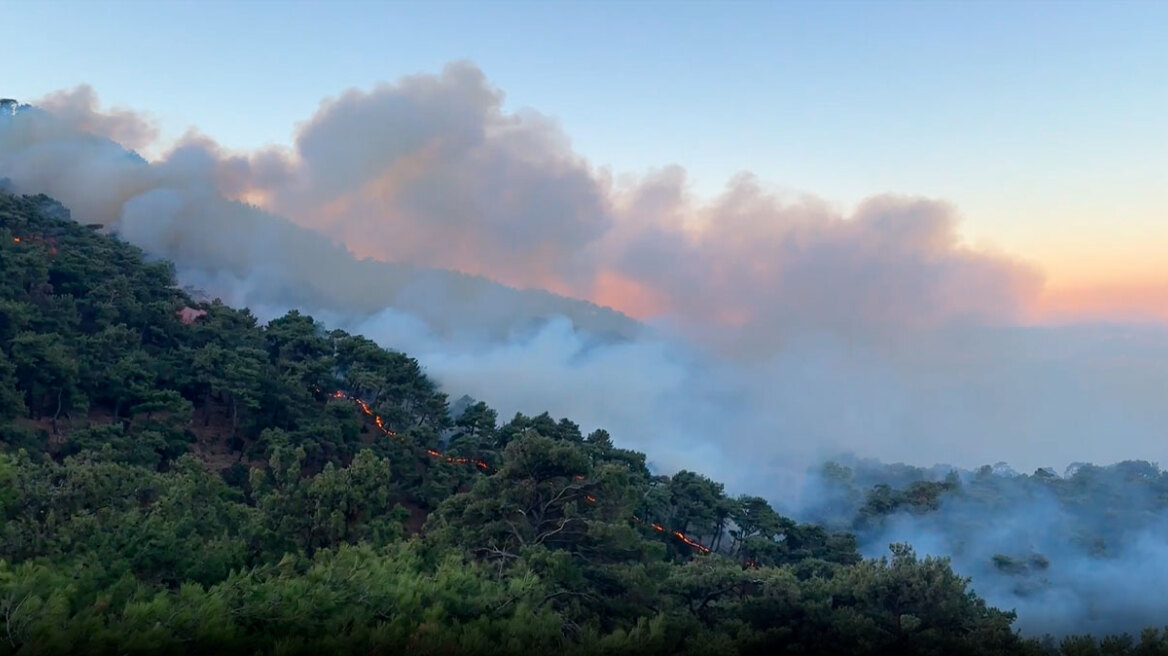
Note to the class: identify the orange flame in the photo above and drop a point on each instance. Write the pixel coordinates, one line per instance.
(434, 453)
(43, 240)
(380, 423)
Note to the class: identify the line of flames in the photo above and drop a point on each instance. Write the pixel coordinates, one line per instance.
(483, 466)
(480, 464)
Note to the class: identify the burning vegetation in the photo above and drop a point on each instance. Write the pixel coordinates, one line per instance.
(509, 537)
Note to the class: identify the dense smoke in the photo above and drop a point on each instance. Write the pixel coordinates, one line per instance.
(774, 330)
(1082, 551)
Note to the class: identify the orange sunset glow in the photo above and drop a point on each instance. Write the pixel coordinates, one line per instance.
(1104, 302)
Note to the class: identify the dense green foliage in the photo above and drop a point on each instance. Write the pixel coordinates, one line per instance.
(196, 487)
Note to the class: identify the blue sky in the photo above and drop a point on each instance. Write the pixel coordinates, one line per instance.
(1046, 123)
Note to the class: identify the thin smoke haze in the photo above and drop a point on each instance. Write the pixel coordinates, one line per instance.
(747, 336)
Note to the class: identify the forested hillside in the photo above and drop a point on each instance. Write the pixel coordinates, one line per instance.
(177, 478)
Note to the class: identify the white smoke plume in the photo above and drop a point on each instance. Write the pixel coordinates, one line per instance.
(773, 330)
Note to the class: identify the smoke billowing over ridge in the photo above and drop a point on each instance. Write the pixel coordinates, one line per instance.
(880, 328)
(775, 331)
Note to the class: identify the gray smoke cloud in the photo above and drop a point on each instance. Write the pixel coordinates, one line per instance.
(432, 171)
(775, 330)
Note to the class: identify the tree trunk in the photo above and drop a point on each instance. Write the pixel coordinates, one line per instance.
(58, 412)
(234, 415)
(207, 408)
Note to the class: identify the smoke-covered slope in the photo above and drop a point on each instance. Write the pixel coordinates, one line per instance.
(125, 529)
(251, 257)
(1085, 549)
